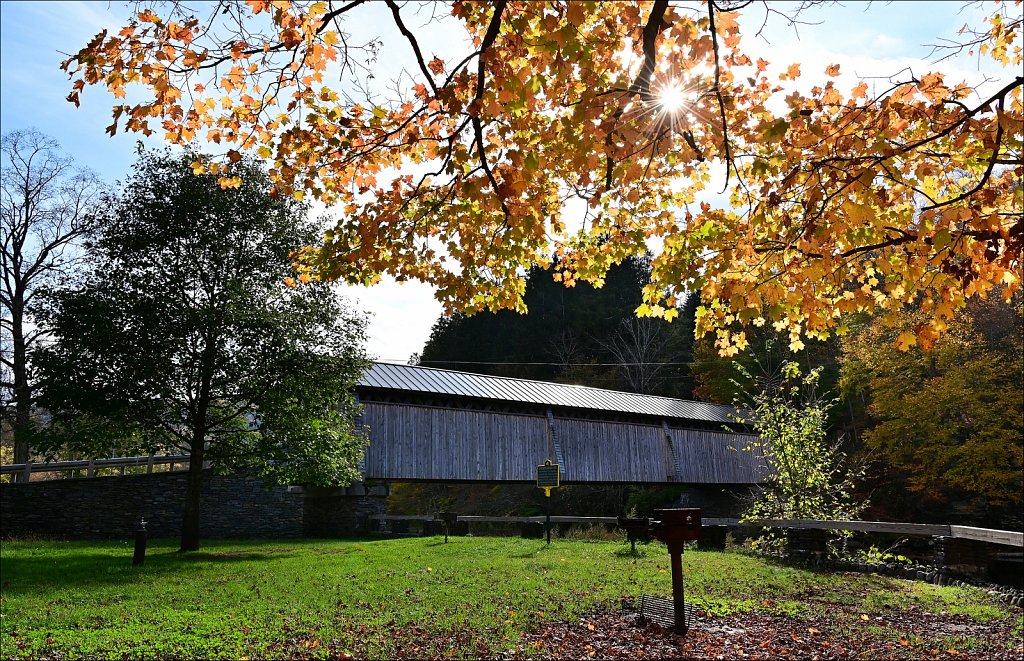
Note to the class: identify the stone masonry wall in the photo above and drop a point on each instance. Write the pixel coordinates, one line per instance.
(232, 506)
(110, 507)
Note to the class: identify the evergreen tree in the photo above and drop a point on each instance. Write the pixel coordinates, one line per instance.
(583, 334)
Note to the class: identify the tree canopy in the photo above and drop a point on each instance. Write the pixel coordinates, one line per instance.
(946, 428)
(589, 131)
(185, 336)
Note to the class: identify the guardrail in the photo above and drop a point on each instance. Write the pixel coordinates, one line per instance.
(90, 466)
(1006, 537)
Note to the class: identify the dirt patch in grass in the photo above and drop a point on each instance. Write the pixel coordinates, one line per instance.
(903, 635)
(617, 634)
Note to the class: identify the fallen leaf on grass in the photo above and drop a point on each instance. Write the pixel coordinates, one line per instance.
(618, 635)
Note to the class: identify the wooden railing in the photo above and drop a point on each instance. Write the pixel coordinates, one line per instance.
(91, 466)
(1007, 537)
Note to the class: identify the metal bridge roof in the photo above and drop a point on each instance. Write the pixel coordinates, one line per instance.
(390, 376)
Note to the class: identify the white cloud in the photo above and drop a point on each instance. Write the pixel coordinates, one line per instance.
(401, 315)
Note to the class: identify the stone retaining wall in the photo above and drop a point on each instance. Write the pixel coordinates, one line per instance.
(232, 506)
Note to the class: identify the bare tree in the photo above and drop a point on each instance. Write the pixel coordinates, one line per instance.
(639, 347)
(565, 348)
(45, 208)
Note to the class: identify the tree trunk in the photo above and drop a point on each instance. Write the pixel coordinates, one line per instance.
(193, 496)
(22, 392)
(194, 484)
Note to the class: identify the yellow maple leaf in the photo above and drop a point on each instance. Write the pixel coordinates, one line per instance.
(906, 340)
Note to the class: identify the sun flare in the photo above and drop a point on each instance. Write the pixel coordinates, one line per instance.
(671, 97)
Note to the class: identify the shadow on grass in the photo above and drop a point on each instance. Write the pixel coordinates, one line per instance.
(530, 554)
(70, 568)
(632, 553)
(230, 556)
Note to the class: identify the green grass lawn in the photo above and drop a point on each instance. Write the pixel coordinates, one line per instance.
(372, 597)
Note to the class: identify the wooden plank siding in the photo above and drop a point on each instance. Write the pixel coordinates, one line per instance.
(411, 442)
(711, 457)
(612, 452)
(427, 443)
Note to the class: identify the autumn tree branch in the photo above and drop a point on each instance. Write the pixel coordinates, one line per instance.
(729, 165)
(478, 132)
(396, 13)
(988, 170)
(642, 83)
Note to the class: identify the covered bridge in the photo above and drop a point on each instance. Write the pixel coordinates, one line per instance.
(442, 425)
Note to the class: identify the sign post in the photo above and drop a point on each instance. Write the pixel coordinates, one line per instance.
(549, 477)
(675, 527)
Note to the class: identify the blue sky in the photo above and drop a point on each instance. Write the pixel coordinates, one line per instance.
(32, 87)
(875, 40)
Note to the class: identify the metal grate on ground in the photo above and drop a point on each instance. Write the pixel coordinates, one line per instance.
(660, 611)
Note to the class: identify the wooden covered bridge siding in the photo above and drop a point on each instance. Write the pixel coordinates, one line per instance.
(410, 442)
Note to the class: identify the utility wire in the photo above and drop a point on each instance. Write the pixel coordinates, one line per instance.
(401, 361)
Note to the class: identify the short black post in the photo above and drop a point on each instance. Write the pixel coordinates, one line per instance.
(449, 519)
(636, 528)
(140, 543)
